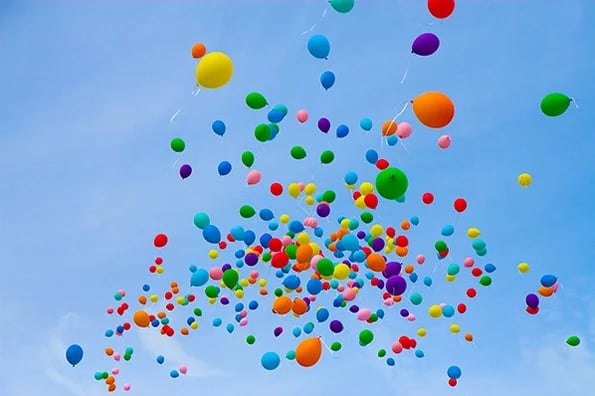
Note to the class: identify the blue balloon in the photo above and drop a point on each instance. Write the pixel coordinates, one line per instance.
(199, 277)
(266, 214)
(428, 281)
(160, 359)
(265, 239)
(489, 268)
(419, 353)
(296, 226)
(270, 360)
(319, 46)
(392, 140)
(292, 282)
(237, 232)
(365, 124)
(322, 314)
(454, 372)
(448, 230)
(350, 178)
(281, 108)
(230, 327)
(174, 374)
(218, 127)
(74, 354)
(372, 156)
(308, 327)
(217, 322)
(548, 280)
(211, 234)
(275, 115)
(296, 332)
(342, 131)
(319, 232)
(327, 79)
(448, 311)
(390, 361)
(224, 168)
(249, 237)
(350, 242)
(314, 286)
(414, 220)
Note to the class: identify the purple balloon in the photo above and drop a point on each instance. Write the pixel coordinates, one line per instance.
(532, 300)
(425, 44)
(392, 268)
(354, 309)
(277, 332)
(224, 300)
(404, 313)
(251, 259)
(336, 326)
(323, 210)
(185, 171)
(361, 234)
(225, 267)
(396, 285)
(378, 244)
(380, 283)
(324, 125)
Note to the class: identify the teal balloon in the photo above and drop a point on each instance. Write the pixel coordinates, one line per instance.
(342, 6)
(201, 220)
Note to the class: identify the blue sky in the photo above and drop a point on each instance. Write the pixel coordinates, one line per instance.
(88, 89)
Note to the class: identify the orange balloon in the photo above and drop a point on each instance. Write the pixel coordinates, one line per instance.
(402, 251)
(198, 50)
(282, 305)
(433, 109)
(308, 352)
(469, 337)
(109, 351)
(405, 225)
(376, 262)
(304, 253)
(141, 318)
(545, 291)
(299, 306)
(111, 387)
(110, 380)
(389, 128)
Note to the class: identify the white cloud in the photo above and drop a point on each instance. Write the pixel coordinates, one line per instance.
(174, 353)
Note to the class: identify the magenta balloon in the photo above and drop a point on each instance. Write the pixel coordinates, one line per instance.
(425, 44)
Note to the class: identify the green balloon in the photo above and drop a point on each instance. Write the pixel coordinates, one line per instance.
(278, 292)
(104, 375)
(381, 353)
(336, 346)
(247, 211)
(342, 6)
(250, 339)
(266, 257)
(262, 132)
(255, 100)
(416, 298)
(391, 183)
(197, 312)
(327, 156)
(367, 217)
(247, 159)
(201, 220)
(366, 337)
(325, 267)
(440, 246)
(177, 144)
(555, 104)
(329, 196)
(291, 251)
(485, 280)
(573, 341)
(231, 278)
(212, 291)
(298, 152)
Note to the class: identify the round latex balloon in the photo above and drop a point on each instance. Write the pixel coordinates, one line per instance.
(555, 104)
(308, 352)
(433, 109)
(425, 44)
(214, 70)
(74, 354)
(319, 46)
(391, 183)
(524, 180)
(342, 6)
(198, 50)
(441, 8)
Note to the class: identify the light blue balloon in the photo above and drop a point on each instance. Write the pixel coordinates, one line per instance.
(350, 178)
(237, 232)
(319, 232)
(211, 234)
(372, 156)
(199, 277)
(392, 140)
(273, 225)
(342, 131)
(419, 353)
(448, 311)
(428, 281)
(448, 230)
(218, 127)
(270, 360)
(217, 322)
(224, 168)
(319, 46)
(296, 332)
(327, 79)
(365, 124)
(414, 220)
(350, 242)
(230, 328)
(308, 327)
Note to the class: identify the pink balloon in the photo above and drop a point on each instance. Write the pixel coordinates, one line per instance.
(340, 288)
(302, 116)
(183, 369)
(468, 262)
(349, 294)
(444, 141)
(110, 310)
(556, 286)
(286, 240)
(397, 347)
(115, 371)
(243, 322)
(411, 317)
(364, 314)
(254, 274)
(389, 301)
(216, 273)
(404, 130)
(126, 387)
(117, 357)
(420, 259)
(253, 177)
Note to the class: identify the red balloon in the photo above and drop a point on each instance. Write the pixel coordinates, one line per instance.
(405, 342)
(427, 198)
(460, 205)
(532, 311)
(222, 245)
(168, 295)
(391, 232)
(356, 195)
(275, 245)
(476, 271)
(276, 189)
(152, 269)
(382, 164)
(441, 8)
(402, 241)
(279, 260)
(452, 382)
(158, 260)
(471, 292)
(371, 201)
(160, 240)
(462, 308)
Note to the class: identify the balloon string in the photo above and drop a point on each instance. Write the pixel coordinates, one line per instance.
(401, 112)
(314, 26)
(326, 346)
(406, 71)
(173, 117)
(175, 162)
(574, 102)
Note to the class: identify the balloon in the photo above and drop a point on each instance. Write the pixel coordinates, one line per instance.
(425, 44)
(177, 144)
(218, 127)
(253, 177)
(523, 267)
(441, 9)
(524, 180)
(454, 372)
(308, 352)
(211, 234)
(224, 168)
(555, 104)
(327, 156)
(391, 183)
(342, 131)
(255, 101)
(247, 159)
(231, 278)
(302, 116)
(444, 141)
(319, 46)
(404, 130)
(270, 360)
(298, 152)
(201, 220)
(214, 70)
(573, 341)
(365, 124)
(324, 125)
(198, 50)
(185, 171)
(342, 6)
(74, 354)
(433, 109)
(141, 318)
(327, 79)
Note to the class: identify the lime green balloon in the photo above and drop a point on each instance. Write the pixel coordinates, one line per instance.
(298, 152)
(212, 291)
(325, 267)
(366, 337)
(248, 159)
(247, 211)
(250, 339)
(485, 280)
(255, 100)
(177, 144)
(573, 341)
(327, 156)
(262, 132)
(367, 217)
(342, 6)
(391, 183)
(336, 346)
(555, 104)
(231, 278)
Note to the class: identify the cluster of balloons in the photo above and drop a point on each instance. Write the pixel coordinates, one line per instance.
(290, 265)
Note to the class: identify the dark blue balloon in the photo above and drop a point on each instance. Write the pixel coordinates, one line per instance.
(224, 168)
(211, 234)
(74, 354)
(342, 131)
(327, 79)
(249, 237)
(218, 127)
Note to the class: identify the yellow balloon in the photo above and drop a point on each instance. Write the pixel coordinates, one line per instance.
(154, 298)
(376, 230)
(214, 70)
(284, 218)
(309, 200)
(524, 179)
(473, 232)
(239, 293)
(213, 254)
(435, 311)
(315, 248)
(159, 270)
(342, 271)
(294, 190)
(262, 282)
(303, 238)
(422, 332)
(345, 224)
(350, 186)
(244, 282)
(310, 188)
(451, 278)
(523, 267)
(455, 328)
(180, 300)
(360, 203)
(366, 188)
(194, 325)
